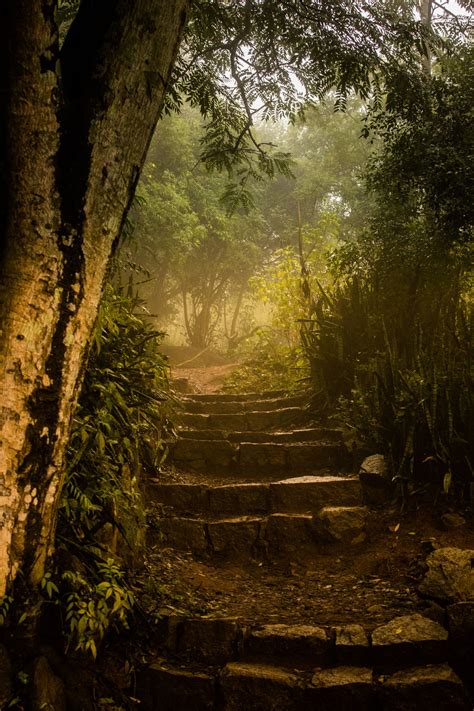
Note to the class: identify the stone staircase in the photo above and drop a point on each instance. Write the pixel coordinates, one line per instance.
(256, 480)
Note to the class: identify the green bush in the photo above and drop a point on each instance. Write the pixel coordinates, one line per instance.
(120, 427)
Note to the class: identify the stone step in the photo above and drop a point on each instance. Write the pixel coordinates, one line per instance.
(249, 458)
(404, 641)
(310, 434)
(225, 663)
(220, 406)
(245, 421)
(275, 536)
(262, 687)
(307, 494)
(244, 397)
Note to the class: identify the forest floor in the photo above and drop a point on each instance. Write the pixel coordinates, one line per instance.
(368, 584)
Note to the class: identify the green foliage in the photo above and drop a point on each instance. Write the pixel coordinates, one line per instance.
(265, 60)
(91, 608)
(392, 340)
(273, 356)
(119, 429)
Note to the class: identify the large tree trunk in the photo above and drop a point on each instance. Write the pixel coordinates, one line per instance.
(74, 128)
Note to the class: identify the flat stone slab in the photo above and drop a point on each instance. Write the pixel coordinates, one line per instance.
(311, 493)
(260, 688)
(200, 455)
(167, 688)
(185, 534)
(285, 534)
(238, 397)
(409, 640)
(342, 688)
(311, 456)
(239, 498)
(298, 644)
(235, 536)
(352, 645)
(182, 497)
(268, 457)
(224, 406)
(419, 688)
(211, 641)
(258, 421)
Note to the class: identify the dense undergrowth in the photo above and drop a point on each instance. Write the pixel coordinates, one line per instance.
(120, 427)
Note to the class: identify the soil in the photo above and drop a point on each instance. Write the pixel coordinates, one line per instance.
(205, 370)
(368, 584)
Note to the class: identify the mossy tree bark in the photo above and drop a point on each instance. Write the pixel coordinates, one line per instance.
(75, 124)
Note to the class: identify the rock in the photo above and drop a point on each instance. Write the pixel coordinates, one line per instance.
(305, 644)
(260, 421)
(5, 677)
(186, 498)
(436, 687)
(341, 524)
(434, 611)
(259, 687)
(450, 576)
(377, 488)
(211, 641)
(235, 536)
(313, 456)
(311, 493)
(342, 688)
(461, 619)
(239, 499)
(266, 457)
(184, 534)
(453, 520)
(288, 533)
(167, 632)
(48, 690)
(172, 689)
(203, 455)
(409, 640)
(352, 645)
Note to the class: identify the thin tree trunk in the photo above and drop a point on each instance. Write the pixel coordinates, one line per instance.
(72, 143)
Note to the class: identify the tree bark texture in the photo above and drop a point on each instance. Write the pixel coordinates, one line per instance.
(75, 125)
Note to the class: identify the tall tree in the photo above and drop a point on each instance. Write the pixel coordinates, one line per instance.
(75, 122)
(74, 129)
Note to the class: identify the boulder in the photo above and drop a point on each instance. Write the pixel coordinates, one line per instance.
(453, 520)
(341, 524)
(377, 489)
(450, 575)
(409, 640)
